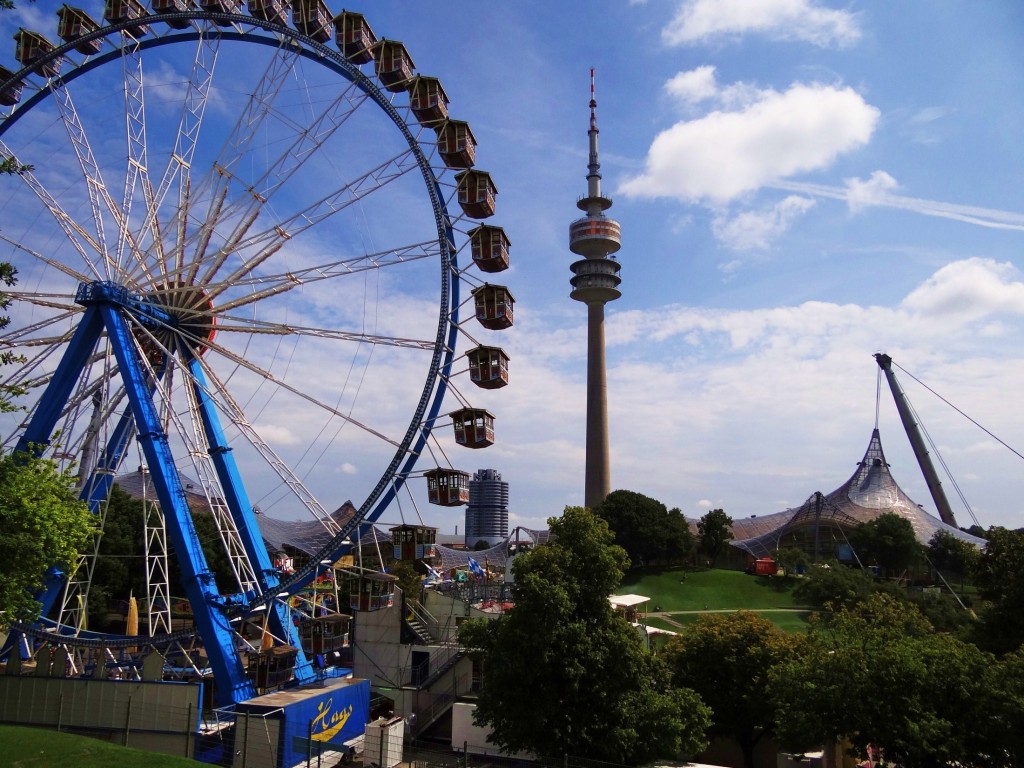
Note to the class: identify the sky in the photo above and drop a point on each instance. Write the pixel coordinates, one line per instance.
(799, 185)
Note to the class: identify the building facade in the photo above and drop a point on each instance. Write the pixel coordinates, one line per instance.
(487, 511)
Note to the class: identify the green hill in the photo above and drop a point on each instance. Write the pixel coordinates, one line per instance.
(39, 748)
(687, 593)
(684, 590)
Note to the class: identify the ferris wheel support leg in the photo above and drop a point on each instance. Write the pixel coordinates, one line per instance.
(237, 500)
(218, 639)
(96, 490)
(39, 432)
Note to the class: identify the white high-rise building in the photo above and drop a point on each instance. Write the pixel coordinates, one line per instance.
(487, 511)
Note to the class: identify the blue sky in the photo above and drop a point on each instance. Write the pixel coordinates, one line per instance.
(800, 185)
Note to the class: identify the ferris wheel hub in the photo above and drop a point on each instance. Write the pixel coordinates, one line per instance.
(177, 315)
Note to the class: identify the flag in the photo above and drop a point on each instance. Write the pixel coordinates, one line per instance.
(475, 569)
(434, 574)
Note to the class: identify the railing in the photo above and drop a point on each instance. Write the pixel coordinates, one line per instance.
(475, 592)
(422, 615)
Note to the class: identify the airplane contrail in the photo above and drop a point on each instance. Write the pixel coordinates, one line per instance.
(983, 217)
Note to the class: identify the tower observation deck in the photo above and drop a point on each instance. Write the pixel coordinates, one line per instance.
(595, 237)
(595, 282)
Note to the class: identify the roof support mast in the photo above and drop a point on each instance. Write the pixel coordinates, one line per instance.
(931, 477)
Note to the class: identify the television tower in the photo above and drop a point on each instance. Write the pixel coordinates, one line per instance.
(595, 282)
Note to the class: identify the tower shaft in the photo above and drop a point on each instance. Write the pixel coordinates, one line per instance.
(595, 282)
(597, 480)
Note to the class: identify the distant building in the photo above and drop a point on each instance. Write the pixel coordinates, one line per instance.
(487, 511)
(820, 525)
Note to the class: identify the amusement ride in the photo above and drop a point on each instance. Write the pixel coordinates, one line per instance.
(237, 229)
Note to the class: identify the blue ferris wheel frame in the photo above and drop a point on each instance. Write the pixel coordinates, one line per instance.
(106, 309)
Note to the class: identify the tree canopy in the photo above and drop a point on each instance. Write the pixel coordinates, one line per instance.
(648, 531)
(834, 584)
(714, 532)
(564, 674)
(878, 674)
(999, 577)
(888, 541)
(44, 525)
(726, 658)
(948, 553)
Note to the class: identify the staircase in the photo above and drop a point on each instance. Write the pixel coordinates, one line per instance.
(420, 630)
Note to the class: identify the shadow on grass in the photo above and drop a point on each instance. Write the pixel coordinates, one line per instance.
(777, 583)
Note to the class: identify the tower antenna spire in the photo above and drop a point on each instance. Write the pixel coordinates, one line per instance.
(593, 102)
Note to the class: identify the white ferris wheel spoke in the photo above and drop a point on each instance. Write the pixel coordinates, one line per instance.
(280, 329)
(285, 386)
(58, 301)
(74, 274)
(267, 286)
(179, 164)
(100, 200)
(215, 183)
(135, 134)
(274, 284)
(73, 231)
(220, 395)
(273, 238)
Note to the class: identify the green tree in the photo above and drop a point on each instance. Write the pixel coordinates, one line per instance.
(792, 558)
(999, 577)
(878, 674)
(948, 553)
(119, 571)
(563, 674)
(8, 392)
(43, 523)
(714, 532)
(1005, 729)
(645, 528)
(410, 580)
(834, 584)
(726, 659)
(888, 541)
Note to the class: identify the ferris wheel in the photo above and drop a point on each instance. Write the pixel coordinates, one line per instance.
(236, 233)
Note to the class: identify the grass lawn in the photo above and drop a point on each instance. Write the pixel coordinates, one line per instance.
(678, 589)
(39, 748)
(675, 590)
(788, 621)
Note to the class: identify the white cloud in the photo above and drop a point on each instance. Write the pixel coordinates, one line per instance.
(723, 155)
(276, 434)
(969, 290)
(693, 86)
(757, 230)
(873, 191)
(924, 126)
(757, 409)
(698, 21)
